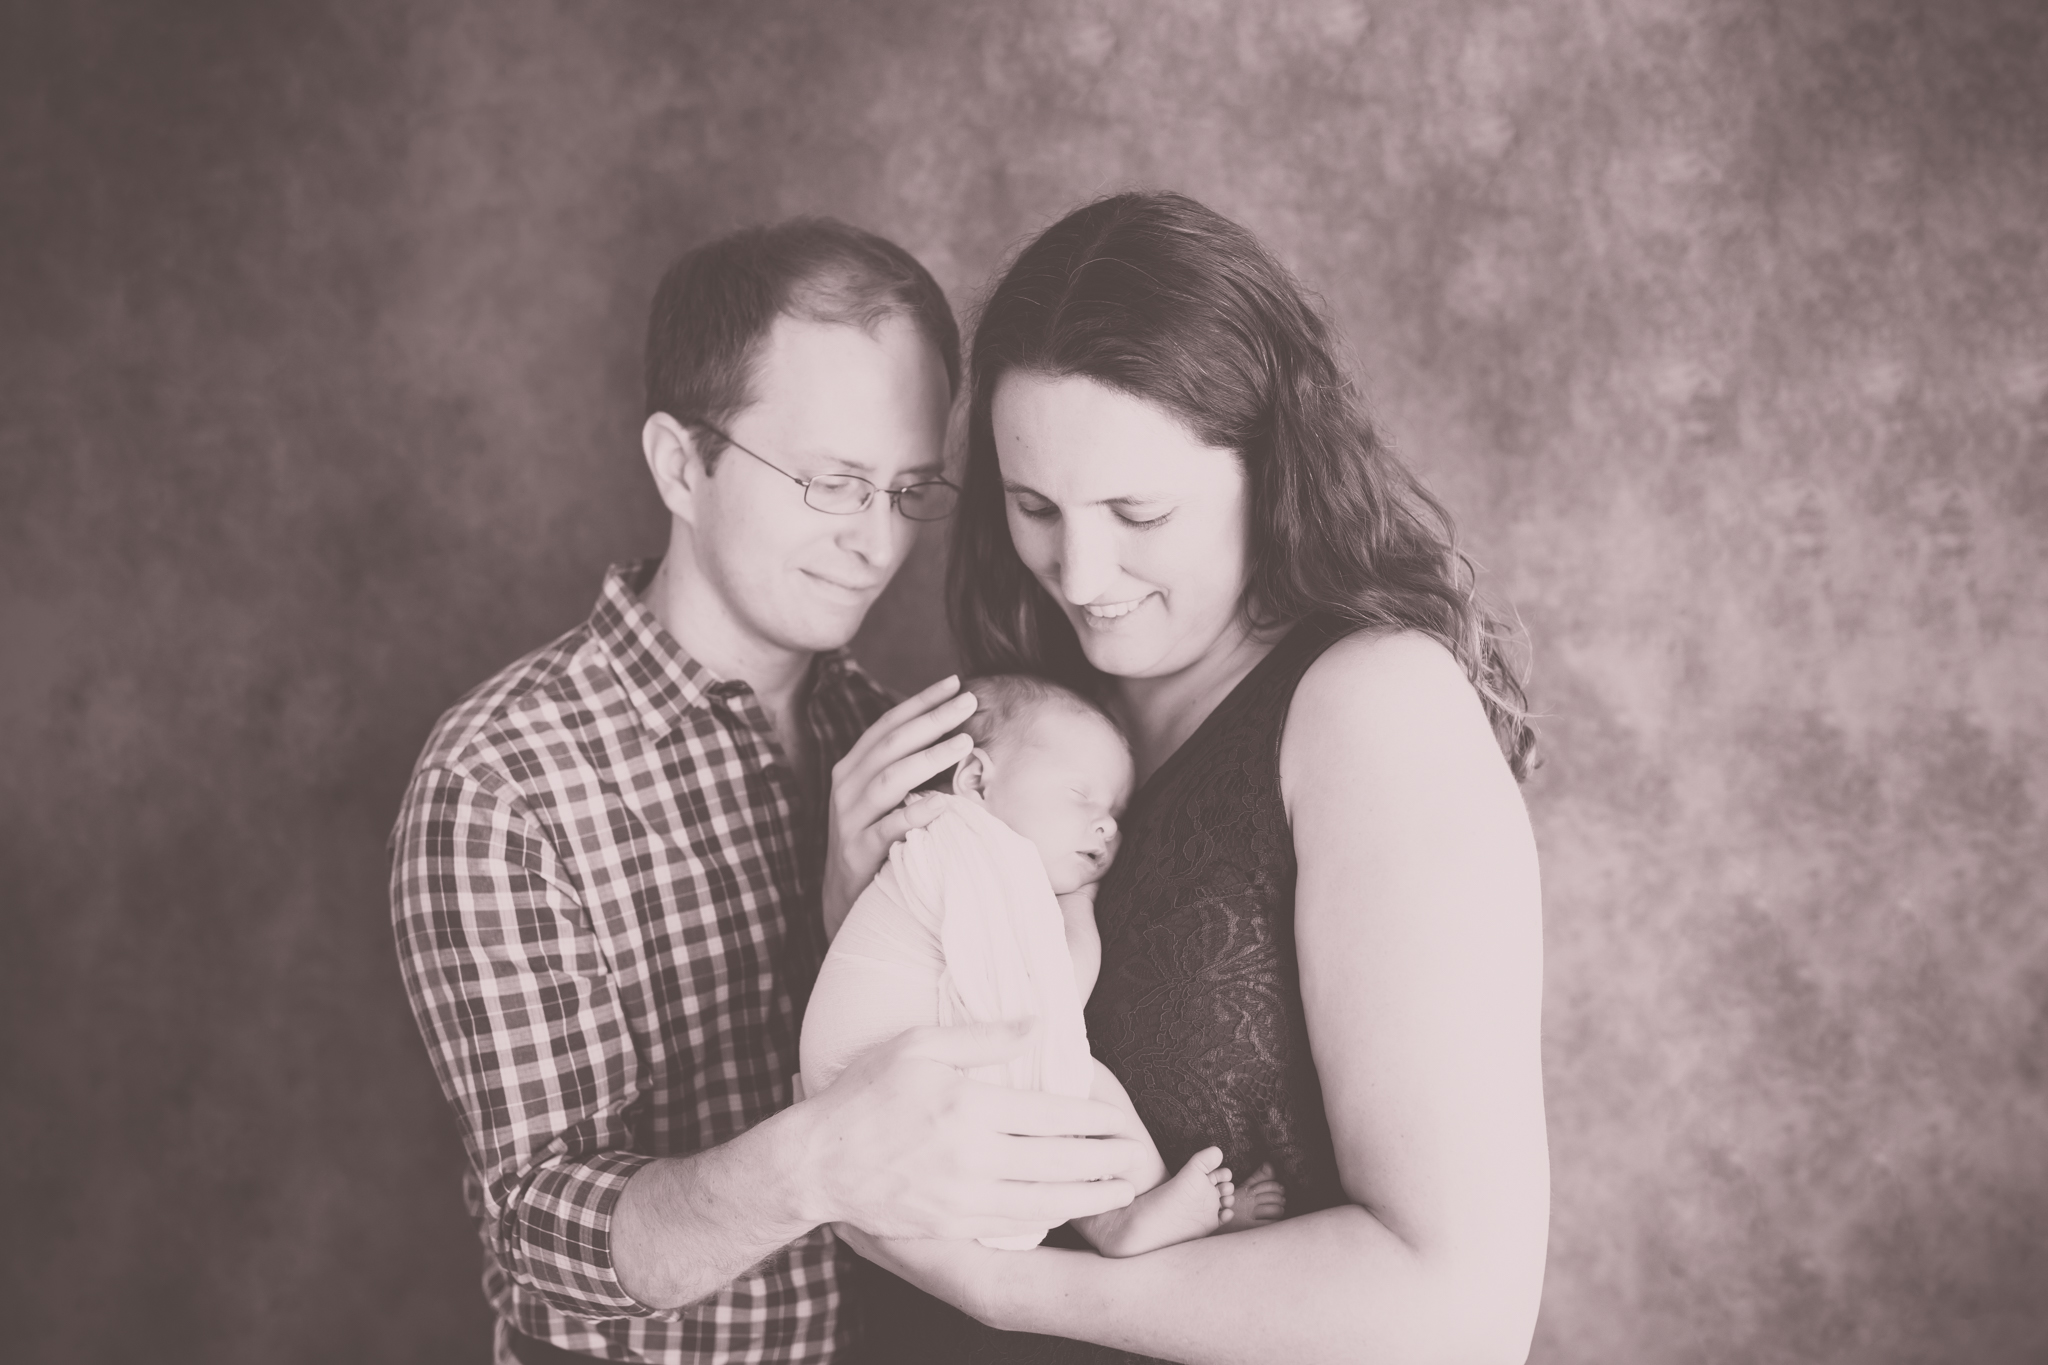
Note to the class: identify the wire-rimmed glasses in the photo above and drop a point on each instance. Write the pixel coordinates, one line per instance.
(844, 495)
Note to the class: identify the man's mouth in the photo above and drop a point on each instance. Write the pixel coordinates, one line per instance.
(857, 590)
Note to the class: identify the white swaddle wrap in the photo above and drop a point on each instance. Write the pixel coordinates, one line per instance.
(960, 926)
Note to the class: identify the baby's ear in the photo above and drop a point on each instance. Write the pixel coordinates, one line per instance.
(971, 775)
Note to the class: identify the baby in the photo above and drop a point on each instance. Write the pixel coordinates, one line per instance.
(988, 914)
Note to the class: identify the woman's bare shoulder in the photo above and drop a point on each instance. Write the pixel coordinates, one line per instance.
(1385, 711)
(1377, 680)
(1389, 725)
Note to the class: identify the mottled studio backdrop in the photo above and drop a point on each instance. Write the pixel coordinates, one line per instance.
(1719, 324)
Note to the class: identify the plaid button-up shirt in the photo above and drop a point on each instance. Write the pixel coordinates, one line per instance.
(604, 888)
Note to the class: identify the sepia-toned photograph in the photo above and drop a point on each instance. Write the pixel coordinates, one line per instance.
(1059, 682)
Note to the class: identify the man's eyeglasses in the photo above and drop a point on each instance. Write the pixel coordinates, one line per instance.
(845, 494)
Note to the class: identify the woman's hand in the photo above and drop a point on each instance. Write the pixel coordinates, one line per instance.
(869, 785)
(967, 1275)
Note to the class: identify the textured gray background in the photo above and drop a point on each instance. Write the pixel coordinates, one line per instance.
(1720, 325)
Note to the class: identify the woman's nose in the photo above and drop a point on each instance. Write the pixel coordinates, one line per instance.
(1086, 562)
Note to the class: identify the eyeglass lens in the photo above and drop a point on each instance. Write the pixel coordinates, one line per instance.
(848, 493)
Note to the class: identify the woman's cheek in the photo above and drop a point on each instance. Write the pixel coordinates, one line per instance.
(1034, 545)
(1021, 538)
(1214, 557)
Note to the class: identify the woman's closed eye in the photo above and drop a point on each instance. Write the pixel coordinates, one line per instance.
(1044, 511)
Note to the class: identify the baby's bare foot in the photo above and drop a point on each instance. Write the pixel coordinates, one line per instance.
(1262, 1200)
(1191, 1203)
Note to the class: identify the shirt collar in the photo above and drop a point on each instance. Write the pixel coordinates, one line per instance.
(665, 683)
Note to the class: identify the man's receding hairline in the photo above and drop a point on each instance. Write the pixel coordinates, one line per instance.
(871, 329)
(837, 295)
(716, 304)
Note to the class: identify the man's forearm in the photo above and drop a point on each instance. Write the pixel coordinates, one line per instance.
(685, 1227)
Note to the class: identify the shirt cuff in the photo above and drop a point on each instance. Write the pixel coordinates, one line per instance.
(555, 1238)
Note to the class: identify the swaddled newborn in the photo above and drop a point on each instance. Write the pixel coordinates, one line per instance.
(987, 914)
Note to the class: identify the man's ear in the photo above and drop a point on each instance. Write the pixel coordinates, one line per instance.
(971, 776)
(676, 460)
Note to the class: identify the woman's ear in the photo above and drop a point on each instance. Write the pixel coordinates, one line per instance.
(971, 775)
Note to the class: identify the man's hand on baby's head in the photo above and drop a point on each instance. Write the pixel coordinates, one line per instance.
(868, 811)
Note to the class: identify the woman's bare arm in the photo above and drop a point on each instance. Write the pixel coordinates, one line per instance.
(1419, 931)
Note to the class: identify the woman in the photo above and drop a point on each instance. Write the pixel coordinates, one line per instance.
(1321, 938)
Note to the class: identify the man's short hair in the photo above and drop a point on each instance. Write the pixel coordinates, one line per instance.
(717, 302)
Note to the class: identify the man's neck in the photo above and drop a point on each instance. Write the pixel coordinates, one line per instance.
(701, 623)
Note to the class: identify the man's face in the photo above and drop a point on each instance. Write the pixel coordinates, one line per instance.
(830, 399)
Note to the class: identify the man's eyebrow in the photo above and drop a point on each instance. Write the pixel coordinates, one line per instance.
(840, 464)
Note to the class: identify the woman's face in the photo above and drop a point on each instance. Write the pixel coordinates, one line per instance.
(1134, 526)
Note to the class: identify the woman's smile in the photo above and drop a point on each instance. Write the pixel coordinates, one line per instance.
(1104, 614)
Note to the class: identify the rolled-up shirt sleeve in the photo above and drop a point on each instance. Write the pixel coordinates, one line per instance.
(522, 1020)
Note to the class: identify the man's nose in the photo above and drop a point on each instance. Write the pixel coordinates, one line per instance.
(878, 533)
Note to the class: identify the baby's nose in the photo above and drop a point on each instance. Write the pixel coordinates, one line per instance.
(1106, 827)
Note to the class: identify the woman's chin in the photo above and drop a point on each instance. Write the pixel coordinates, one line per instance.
(1122, 656)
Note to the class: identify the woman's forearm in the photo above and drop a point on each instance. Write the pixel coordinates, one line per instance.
(1330, 1286)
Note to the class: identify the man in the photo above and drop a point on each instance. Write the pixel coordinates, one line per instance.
(616, 859)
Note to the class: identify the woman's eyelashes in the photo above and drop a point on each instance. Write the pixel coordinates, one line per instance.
(1045, 511)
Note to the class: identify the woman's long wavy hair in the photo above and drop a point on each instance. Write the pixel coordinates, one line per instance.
(1162, 298)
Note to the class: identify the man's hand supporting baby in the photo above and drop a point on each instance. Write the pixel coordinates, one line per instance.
(906, 1146)
(900, 1145)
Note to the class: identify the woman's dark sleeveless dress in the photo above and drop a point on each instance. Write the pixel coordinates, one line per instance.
(1198, 1008)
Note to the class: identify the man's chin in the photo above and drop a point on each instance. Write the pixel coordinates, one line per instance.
(820, 631)
(822, 641)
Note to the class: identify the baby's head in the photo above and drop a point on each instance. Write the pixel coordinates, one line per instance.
(1049, 764)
